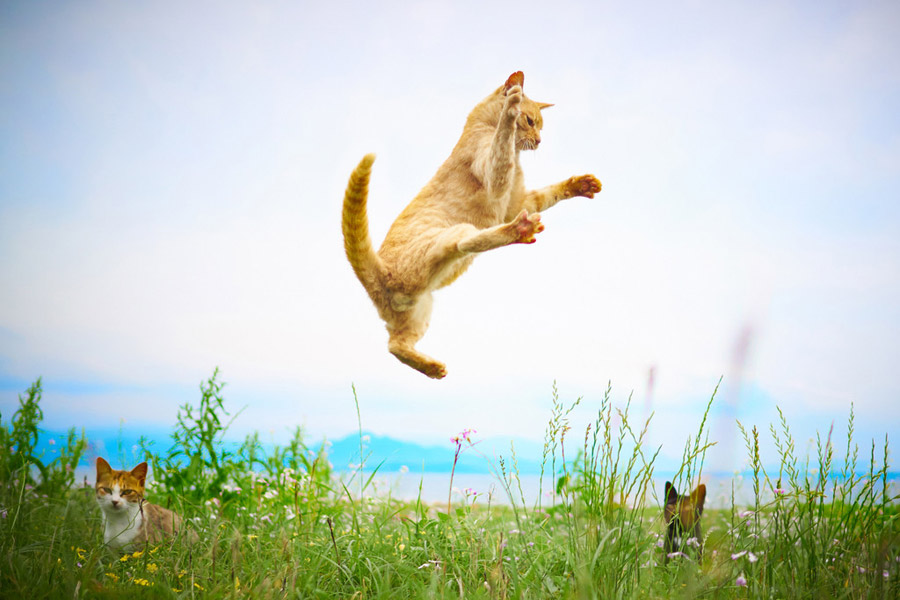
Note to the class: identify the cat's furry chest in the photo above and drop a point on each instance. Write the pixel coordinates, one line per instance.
(122, 528)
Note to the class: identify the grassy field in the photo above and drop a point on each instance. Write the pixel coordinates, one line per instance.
(282, 525)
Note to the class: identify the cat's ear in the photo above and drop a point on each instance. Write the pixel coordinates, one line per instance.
(543, 105)
(517, 78)
(103, 467)
(698, 496)
(671, 494)
(140, 472)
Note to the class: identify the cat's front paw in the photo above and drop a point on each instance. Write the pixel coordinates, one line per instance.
(584, 185)
(513, 99)
(526, 227)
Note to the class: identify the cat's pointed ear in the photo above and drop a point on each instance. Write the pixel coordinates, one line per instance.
(517, 78)
(103, 467)
(671, 494)
(698, 496)
(140, 472)
(543, 105)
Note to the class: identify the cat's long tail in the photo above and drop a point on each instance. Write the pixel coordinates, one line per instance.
(355, 224)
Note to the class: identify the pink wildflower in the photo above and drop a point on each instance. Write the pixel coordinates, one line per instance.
(741, 580)
(464, 436)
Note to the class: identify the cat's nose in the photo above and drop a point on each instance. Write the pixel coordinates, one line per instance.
(115, 503)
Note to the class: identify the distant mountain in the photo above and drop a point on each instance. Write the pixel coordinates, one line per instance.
(121, 446)
(394, 454)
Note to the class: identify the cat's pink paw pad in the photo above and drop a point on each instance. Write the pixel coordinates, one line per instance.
(526, 227)
(585, 185)
(435, 370)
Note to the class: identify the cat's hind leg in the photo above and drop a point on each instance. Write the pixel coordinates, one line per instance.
(407, 329)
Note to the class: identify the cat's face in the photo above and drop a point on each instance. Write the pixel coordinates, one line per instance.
(687, 509)
(119, 491)
(530, 121)
(529, 125)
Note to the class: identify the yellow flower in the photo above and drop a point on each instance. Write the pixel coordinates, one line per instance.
(199, 587)
(113, 576)
(252, 537)
(152, 567)
(124, 558)
(182, 574)
(237, 583)
(401, 547)
(142, 582)
(138, 554)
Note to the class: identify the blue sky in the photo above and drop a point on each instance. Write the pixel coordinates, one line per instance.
(171, 178)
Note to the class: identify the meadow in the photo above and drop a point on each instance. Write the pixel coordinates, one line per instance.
(280, 523)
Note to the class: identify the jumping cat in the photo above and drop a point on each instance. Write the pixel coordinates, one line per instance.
(476, 202)
(129, 520)
(682, 517)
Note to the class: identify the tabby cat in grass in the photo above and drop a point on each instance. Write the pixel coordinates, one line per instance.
(130, 521)
(476, 202)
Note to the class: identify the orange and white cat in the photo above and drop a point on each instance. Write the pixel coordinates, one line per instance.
(476, 202)
(130, 521)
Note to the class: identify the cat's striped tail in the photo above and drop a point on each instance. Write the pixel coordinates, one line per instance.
(355, 224)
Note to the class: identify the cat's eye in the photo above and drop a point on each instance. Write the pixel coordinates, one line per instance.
(530, 121)
(127, 492)
(106, 490)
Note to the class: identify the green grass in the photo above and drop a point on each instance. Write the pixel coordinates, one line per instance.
(282, 525)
